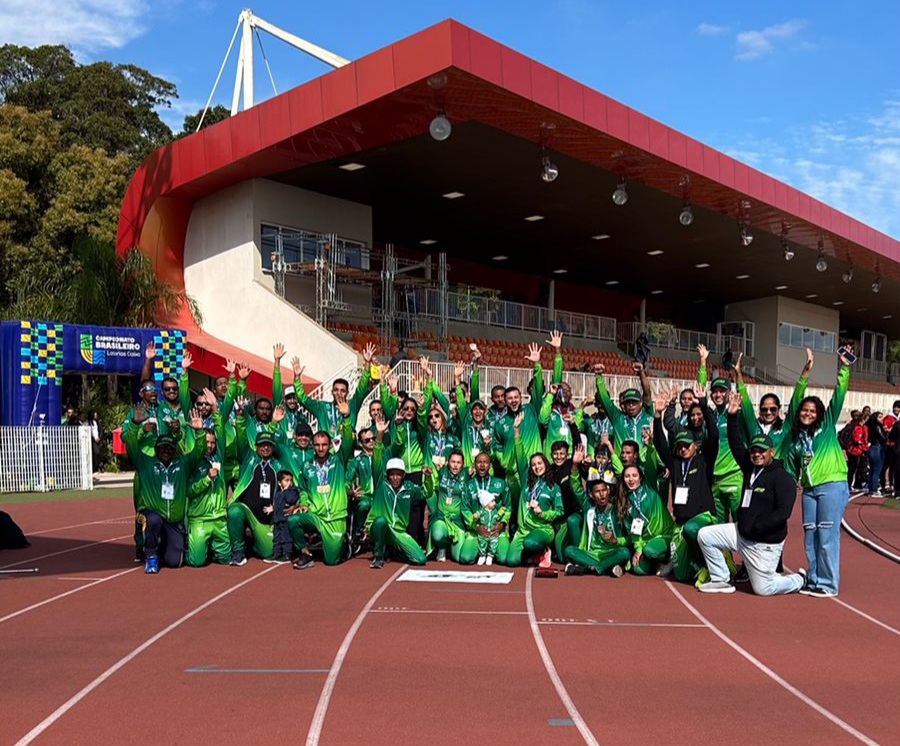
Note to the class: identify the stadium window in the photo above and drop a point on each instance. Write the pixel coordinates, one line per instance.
(790, 335)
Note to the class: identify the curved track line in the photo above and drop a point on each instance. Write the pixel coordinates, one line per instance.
(64, 708)
(63, 595)
(863, 540)
(551, 669)
(77, 525)
(843, 725)
(318, 721)
(30, 560)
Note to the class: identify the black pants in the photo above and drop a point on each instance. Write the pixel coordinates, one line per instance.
(282, 542)
(853, 469)
(416, 526)
(163, 539)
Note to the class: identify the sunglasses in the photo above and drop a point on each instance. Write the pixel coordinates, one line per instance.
(683, 446)
(768, 409)
(367, 440)
(408, 409)
(170, 388)
(146, 389)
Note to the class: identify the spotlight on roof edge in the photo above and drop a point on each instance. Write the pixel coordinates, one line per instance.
(876, 286)
(686, 216)
(847, 277)
(620, 195)
(440, 128)
(821, 263)
(549, 170)
(746, 235)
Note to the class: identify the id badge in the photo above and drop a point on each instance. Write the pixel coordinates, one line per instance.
(323, 489)
(637, 526)
(485, 433)
(563, 430)
(475, 451)
(681, 495)
(745, 503)
(216, 465)
(448, 501)
(265, 491)
(439, 462)
(168, 491)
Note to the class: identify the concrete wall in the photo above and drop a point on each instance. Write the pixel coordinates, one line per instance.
(223, 269)
(767, 313)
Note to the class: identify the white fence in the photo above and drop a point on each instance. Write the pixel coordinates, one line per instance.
(41, 459)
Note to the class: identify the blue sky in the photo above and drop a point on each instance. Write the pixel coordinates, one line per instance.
(808, 92)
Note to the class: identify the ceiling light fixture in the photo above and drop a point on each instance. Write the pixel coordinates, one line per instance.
(560, 271)
(847, 277)
(838, 303)
(655, 252)
(549, 170)
(876, 286)
(703, 265)
(821, 263)
(742, 277)
(813, 295)
(656, 292)
(427, 242)
(888, 316)
(600, 237)
(781, 287)
(500, 258)
(620, 195)
(440, 127)
(534, 218)
(787, 250)
(686, 216)
(746, 235)
(453, 195)
(612, 282)
(351, 166)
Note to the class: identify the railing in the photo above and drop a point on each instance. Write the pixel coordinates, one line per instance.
(478, 309)
(682, 339)
(41, 459)
(872, 367)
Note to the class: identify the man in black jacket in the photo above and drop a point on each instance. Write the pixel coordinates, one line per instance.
(767, 500)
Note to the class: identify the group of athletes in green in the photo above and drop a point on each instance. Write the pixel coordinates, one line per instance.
(605, 487)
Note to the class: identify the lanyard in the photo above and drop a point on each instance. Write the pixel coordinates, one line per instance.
(322, 471)
(535, 490)
(685, 468)
(639, 494)
(263, 465)
(755, 476)
(438, 442)
(166, 470)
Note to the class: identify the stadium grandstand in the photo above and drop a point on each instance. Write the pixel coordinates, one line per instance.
(447, 190)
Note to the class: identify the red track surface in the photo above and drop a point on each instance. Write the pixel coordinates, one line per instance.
(419, 670)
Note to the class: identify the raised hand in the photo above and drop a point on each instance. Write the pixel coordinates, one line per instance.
(393, 383)
(368, 353)
(296, 367)
(647, 434)
(703, 352)
(211, 398)
(599, 369)
(698, 390)
(381, 424)
(458, 370)
(140, 414)
(586, 402)
(343, 406)
(278, 414)
(517, 423)
(637, 367)
(150, 351)
(230, 366)
(187, 360)
(244, 372)
(554, 387)
(661, 402)
(844, 360)
(578, 455)
(555, 339)
(810, 361)
(278, 353)
(425, 365)
(476, 353)
(734, 403)
(241, 403)
(534, 353)
(196, 420)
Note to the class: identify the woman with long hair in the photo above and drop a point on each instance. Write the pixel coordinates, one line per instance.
(649, 524)
(815, 455)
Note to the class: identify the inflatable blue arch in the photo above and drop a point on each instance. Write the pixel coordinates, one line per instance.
(34, 356)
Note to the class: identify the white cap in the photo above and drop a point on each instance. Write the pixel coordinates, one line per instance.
(289, 391)
(396, 464)
(485, 497)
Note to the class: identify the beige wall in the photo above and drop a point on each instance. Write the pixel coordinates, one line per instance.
(223, 269)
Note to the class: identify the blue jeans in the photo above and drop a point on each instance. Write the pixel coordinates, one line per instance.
(876, 461)
(823, 508)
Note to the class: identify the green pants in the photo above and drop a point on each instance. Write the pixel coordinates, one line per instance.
(688, 559)
(205, 532)
(600, 561)
(385, 537)
(445, 534)
(333, 533)
(568, 533)
(515, 489)
(488, 545)
(655, 551)
(138, 524)
(726, 492)
(533, 543)
(240, 518)
(363, 506)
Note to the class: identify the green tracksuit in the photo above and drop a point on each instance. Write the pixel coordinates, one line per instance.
(408, 436)
(487, 522)
(359, 473)
(389, 517)
(295, 458)
(534, 532)
(727, 478)
(647, 513)
(292, 417)
(327, 416)
(753, 427)
(323, 492)
(445, 495)
(595, 428)
(438, 447)
(207, 506)
(471, 435)
(593, 549)
(624, 427)
(499, 491)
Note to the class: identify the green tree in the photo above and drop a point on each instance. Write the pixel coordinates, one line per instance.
(215, 115)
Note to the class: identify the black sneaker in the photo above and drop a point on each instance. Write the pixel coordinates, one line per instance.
(304, 561)
(238, 560)
(742, 575)
(377, 564)
(139, 555)
(281, 559)
(573, 569)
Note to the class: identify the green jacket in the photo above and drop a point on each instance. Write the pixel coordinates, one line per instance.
(471, 505)
(323, 487)
(208, 498)
(591, 539)
(624, 427)
(752, 426)
(644, 504)
(388, 503)
(819, 459)
(359, 470)
(548, 497)
(328, 418)
(445, 494)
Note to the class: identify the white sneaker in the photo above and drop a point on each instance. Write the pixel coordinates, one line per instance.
(617, 571)
(482, 560)
(716, 586)
(441, 555)
(489, 560)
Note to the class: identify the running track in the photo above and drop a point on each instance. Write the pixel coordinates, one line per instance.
(264, 653)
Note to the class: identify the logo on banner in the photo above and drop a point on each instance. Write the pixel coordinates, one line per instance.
(89, 354)
(96, 349)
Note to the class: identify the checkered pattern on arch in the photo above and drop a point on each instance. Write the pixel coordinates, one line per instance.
(170, 344)
(40, 353)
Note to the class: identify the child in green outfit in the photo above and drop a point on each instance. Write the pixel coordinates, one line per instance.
(487, 526)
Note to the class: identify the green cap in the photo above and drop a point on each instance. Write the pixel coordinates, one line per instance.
(763, 442)
(165, 441)
(631, 395)
(683, 437)
(265, 439)
(721, 383)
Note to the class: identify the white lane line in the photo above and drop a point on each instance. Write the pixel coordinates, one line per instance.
(64, 708)
(78, 525)
(619, 624)
(861, 613)
(65, 551)
(318, 721)
(551, 669)
(82, 580)
(843, 725)
(64, 595)
(446, 611)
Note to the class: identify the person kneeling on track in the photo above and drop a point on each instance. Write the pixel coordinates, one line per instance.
(768, 497)
(388, 519)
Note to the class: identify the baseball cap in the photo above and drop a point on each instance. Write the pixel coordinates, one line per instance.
(683, 437)
(265, 439)
(721, 383)
(304, 429)
(289, 391)
(763, 442)
(631, 395)
(396, 464)
(165, 441)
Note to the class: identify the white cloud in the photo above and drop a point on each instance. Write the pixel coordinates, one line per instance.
(711, 29)
(83, 25)
(755, 44)
(852, 164)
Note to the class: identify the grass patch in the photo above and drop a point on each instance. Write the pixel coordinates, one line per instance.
(890, 504)
(18, 498)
